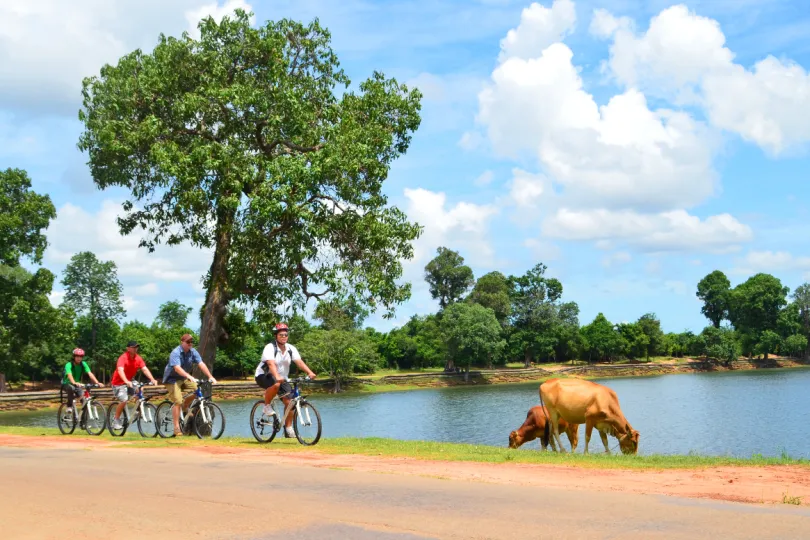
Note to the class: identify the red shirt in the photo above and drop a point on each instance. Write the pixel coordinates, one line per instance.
(130, 365)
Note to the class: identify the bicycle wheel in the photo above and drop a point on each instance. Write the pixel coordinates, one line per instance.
(307, 424)
(148, 421)
(111, 420)
(66, 421)
(165, 422)
(264, 427)
(215, 424)
(94, 418)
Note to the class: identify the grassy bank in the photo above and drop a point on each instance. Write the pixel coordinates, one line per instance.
(426, 450)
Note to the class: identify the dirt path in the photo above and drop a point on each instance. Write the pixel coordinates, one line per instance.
(62, 490)
(759, 485)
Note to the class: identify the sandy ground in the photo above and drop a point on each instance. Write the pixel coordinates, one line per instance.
(759, 485)
(63, 488)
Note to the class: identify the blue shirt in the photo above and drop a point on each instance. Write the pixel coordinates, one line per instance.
(185, 360)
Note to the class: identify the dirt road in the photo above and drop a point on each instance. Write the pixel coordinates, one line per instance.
(178, 493)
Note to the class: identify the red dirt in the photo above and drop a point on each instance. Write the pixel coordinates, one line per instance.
(752, 484)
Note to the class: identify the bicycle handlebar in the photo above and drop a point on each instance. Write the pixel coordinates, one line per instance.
(299, 380)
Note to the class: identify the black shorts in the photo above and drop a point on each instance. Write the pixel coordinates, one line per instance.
(267, 380)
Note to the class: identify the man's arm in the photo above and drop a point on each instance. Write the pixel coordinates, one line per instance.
(203, 367)
(303, 366)
(148, 373)
(93, 378)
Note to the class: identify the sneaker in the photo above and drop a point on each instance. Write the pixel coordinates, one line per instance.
(117, 424)
(289, 433)
(268, 410)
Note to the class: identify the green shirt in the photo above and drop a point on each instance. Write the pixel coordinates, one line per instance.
(76, 370)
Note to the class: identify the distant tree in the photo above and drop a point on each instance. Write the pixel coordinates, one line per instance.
(795, 345)
(492, 291)
(448, 277)
(602, 339)
(801, 297)
(473, 333)
(535, 313)
(755, 306)
(337, 353)
(92, 289)
(651, 327)
(172, 314)
(713, 290)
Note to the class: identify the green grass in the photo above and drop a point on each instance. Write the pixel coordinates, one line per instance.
(441, 451)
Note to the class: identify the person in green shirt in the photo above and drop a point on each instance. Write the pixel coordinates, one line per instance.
(72, 376)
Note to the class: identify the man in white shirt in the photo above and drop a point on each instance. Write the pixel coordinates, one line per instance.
(274, 369)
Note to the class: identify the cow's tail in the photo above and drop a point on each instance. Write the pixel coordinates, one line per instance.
(547, 429)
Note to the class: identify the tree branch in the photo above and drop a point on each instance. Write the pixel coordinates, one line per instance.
(304, 273)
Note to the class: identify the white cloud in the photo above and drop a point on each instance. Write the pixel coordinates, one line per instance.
(75, 230)
(684, 55)
(526, 189)
(667, 231)
(129, 302)
(213, 9)
(605, 25)
(772, 261)
(621, 155)
(616, 259)
(542, 249)
(48, 46)
(484, 179)
(56, 297)
(539, 27)
(147, 289)
(461, 227)
(470, 141)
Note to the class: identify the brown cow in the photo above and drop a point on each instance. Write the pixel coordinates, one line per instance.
(535, 427)
(580, 401)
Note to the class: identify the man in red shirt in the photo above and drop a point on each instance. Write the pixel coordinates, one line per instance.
(126, 368)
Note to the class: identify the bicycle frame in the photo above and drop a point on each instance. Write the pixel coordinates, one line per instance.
(140, 410)
(295, 403)
(86, 399)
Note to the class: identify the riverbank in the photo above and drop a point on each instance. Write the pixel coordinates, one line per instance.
(756, 480)
(246, 389)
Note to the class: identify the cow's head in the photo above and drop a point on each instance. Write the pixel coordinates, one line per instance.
(628, 443)
(515, 440)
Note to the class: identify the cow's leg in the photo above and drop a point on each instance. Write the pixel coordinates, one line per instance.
(573, 436)
(555, 432)
(603, 435)
(588, 430)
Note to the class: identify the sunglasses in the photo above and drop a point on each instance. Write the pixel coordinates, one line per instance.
(282, 335)
(189, 342)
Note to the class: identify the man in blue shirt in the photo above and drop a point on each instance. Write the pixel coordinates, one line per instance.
(177, 377)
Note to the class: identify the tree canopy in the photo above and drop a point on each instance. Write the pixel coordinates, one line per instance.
(250, 141)
(713, 290)
(448, 277)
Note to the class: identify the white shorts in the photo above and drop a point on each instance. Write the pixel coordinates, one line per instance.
(120, 393)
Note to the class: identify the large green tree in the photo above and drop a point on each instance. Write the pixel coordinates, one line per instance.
(337, 353)
(249, 141)
(27, 319)
(340, 314)
(535, 313)
(713, 290)
(92, 289)
(448, 277)
(801, 297)
(172, 314)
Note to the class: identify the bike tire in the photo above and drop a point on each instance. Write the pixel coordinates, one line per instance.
(314, 418)
(111, 420)
(259, 427)
(148, 427)
(165, 422)
(66, 423)
(203, 429)
(100, 413)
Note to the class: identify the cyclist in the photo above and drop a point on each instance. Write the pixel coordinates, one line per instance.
(125, 369)
(273, 371)
(73, 374)
(177, 377)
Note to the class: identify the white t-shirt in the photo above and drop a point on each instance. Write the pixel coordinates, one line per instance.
(272, 353)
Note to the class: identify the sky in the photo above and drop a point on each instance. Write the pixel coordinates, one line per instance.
(630, 146)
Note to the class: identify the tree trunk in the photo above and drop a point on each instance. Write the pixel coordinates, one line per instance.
(93, 341)
(449, 366)
(489, 360)
(337, 385)
(3, 387)
(527, 358)
(217, 298)
(467, 374)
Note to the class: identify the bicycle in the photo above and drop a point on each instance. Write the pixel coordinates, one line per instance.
(145, 414)
(202, 415)
(92, 413)
(265, 427)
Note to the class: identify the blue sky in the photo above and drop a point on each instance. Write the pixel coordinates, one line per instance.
(632, 147)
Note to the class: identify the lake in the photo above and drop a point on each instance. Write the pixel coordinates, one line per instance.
(729, 413)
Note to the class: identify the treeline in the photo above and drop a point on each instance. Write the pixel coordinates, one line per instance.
(489, 321)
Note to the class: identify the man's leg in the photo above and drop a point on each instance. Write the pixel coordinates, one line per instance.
(176, 397)
(120, 393)
(286, 401)
(270, 393)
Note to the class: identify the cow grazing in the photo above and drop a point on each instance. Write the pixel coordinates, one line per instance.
(585, 402)
(535, 427)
